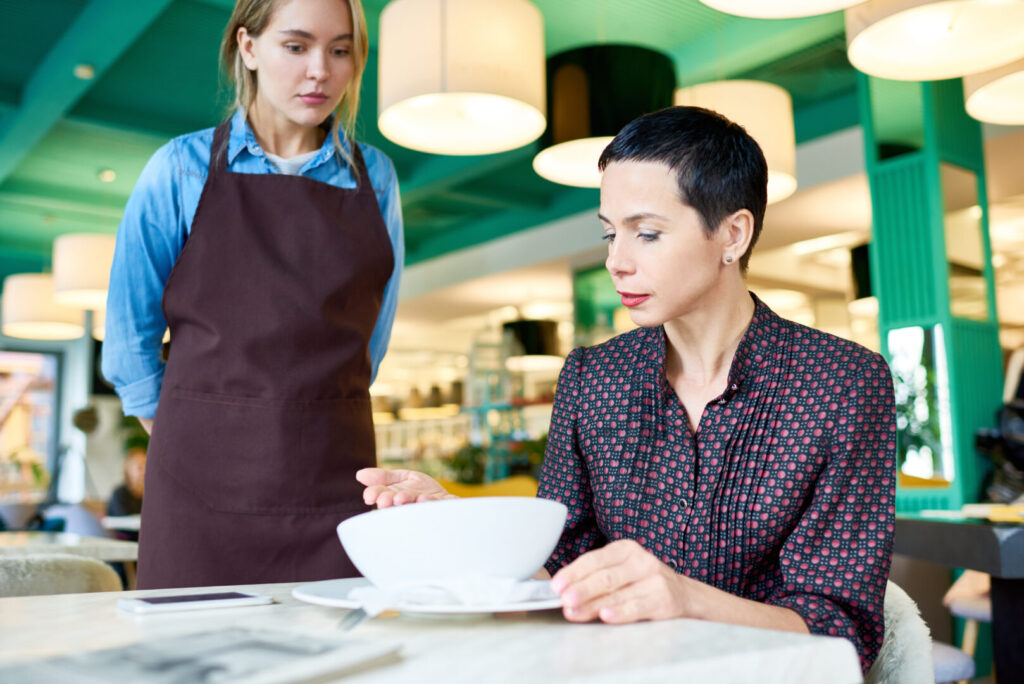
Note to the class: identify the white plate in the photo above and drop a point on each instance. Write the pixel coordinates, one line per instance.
(334, 593)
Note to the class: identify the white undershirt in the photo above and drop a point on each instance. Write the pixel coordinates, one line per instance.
(291, 166)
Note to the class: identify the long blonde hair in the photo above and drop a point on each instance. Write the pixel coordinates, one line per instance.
(254, 15)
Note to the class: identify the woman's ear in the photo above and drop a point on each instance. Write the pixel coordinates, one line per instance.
(246, 45)
(737, 230)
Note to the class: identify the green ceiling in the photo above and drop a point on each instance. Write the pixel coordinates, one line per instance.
(157, 77)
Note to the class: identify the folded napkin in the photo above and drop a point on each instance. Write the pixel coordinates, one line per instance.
(466, 591)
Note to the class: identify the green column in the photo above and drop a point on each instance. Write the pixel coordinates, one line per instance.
(931, 270)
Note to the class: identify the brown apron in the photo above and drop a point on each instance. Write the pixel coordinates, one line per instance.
(264, 414)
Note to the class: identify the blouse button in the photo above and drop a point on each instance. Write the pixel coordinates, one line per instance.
(684, 504)
(672, 563)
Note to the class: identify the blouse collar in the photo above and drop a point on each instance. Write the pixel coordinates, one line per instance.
(761, 333)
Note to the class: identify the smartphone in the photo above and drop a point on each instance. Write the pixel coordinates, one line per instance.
(163, 604)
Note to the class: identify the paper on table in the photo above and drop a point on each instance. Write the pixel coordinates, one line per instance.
(467, 591)
(249, 655)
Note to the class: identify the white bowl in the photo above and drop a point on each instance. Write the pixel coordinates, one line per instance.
(453, 540)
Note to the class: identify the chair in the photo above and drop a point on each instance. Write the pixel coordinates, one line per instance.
(973, 609)
(76, 519)
(908, 655)
(55, 573)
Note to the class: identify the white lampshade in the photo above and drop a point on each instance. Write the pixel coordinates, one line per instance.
(766, 111)
(997, 95)
(573, 162)
(929, 40)
(81, 269)
(29, 310)
(779, 9)
(461, 76)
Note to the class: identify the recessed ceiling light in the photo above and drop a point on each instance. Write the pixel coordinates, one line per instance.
(106, 175)
(84, 71)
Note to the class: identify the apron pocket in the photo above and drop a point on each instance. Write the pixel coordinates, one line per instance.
(248, 455)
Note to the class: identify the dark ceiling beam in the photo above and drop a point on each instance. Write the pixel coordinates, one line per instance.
(500, 224)
(475, 198)
(439, 173)
(745, 45)
(63, 199)
(99, 35)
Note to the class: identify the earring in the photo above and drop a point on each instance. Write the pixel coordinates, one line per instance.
(728, 258)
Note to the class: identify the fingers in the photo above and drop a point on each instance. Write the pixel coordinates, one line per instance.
(594, 561)
(380, 476)
(647, 599)
(602, 578)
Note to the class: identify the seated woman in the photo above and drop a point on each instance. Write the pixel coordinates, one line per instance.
(718, 462)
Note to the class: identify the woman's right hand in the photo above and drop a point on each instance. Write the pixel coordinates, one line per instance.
(396, 487)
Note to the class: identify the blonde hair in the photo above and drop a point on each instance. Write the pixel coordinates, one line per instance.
(254, 15)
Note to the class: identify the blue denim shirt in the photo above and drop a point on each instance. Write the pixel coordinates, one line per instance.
(156, 223)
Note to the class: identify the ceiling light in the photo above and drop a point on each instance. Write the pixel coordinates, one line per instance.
(81, 269)
(460, 76)
(779, 9)
(85, 72)
(30, 312)
(997, 95)
(770, 123)
(592, 93)
(928, 40)
(532, 344)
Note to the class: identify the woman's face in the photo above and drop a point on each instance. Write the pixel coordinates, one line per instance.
(661, 262)
(135, 471)
(303, 60)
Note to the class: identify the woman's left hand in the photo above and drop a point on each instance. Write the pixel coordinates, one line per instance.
(622, 582)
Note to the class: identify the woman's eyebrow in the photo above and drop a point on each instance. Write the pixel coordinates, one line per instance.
(299, 33)
(635, 217)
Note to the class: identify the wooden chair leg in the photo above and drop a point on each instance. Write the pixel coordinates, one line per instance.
(970, 641)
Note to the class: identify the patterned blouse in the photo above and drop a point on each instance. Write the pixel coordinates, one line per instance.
(785, 495)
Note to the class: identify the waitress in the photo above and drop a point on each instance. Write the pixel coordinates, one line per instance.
(272, 248)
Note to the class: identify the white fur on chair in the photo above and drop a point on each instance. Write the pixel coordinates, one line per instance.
(906, 654)
(55, 573)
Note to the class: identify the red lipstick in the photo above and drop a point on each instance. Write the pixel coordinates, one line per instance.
(630, 300)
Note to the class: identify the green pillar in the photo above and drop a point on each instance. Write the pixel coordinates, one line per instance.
(931, 270)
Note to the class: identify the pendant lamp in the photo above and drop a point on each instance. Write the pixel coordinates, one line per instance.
(81, 269)
(779, 9)
(928, 40)
(766, 111)
(863, 303)
(461, 77)
(30, 312)
(592, 93)
(997, 95)
(533, 345)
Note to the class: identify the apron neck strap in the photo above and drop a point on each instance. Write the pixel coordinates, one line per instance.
(219, 149)
(364, 177)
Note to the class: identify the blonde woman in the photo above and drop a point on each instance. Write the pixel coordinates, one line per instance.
(272, 248)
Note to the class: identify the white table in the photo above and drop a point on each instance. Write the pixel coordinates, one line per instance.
(515, 647)
(123, 523)
(100, 548)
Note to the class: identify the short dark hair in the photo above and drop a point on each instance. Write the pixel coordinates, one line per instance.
(720, 169)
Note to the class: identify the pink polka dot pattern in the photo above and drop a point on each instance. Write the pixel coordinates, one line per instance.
(786, 493)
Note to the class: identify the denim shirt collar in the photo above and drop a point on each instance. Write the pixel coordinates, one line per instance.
(242, 139)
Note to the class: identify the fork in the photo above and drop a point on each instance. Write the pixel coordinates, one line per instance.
(354, 618)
